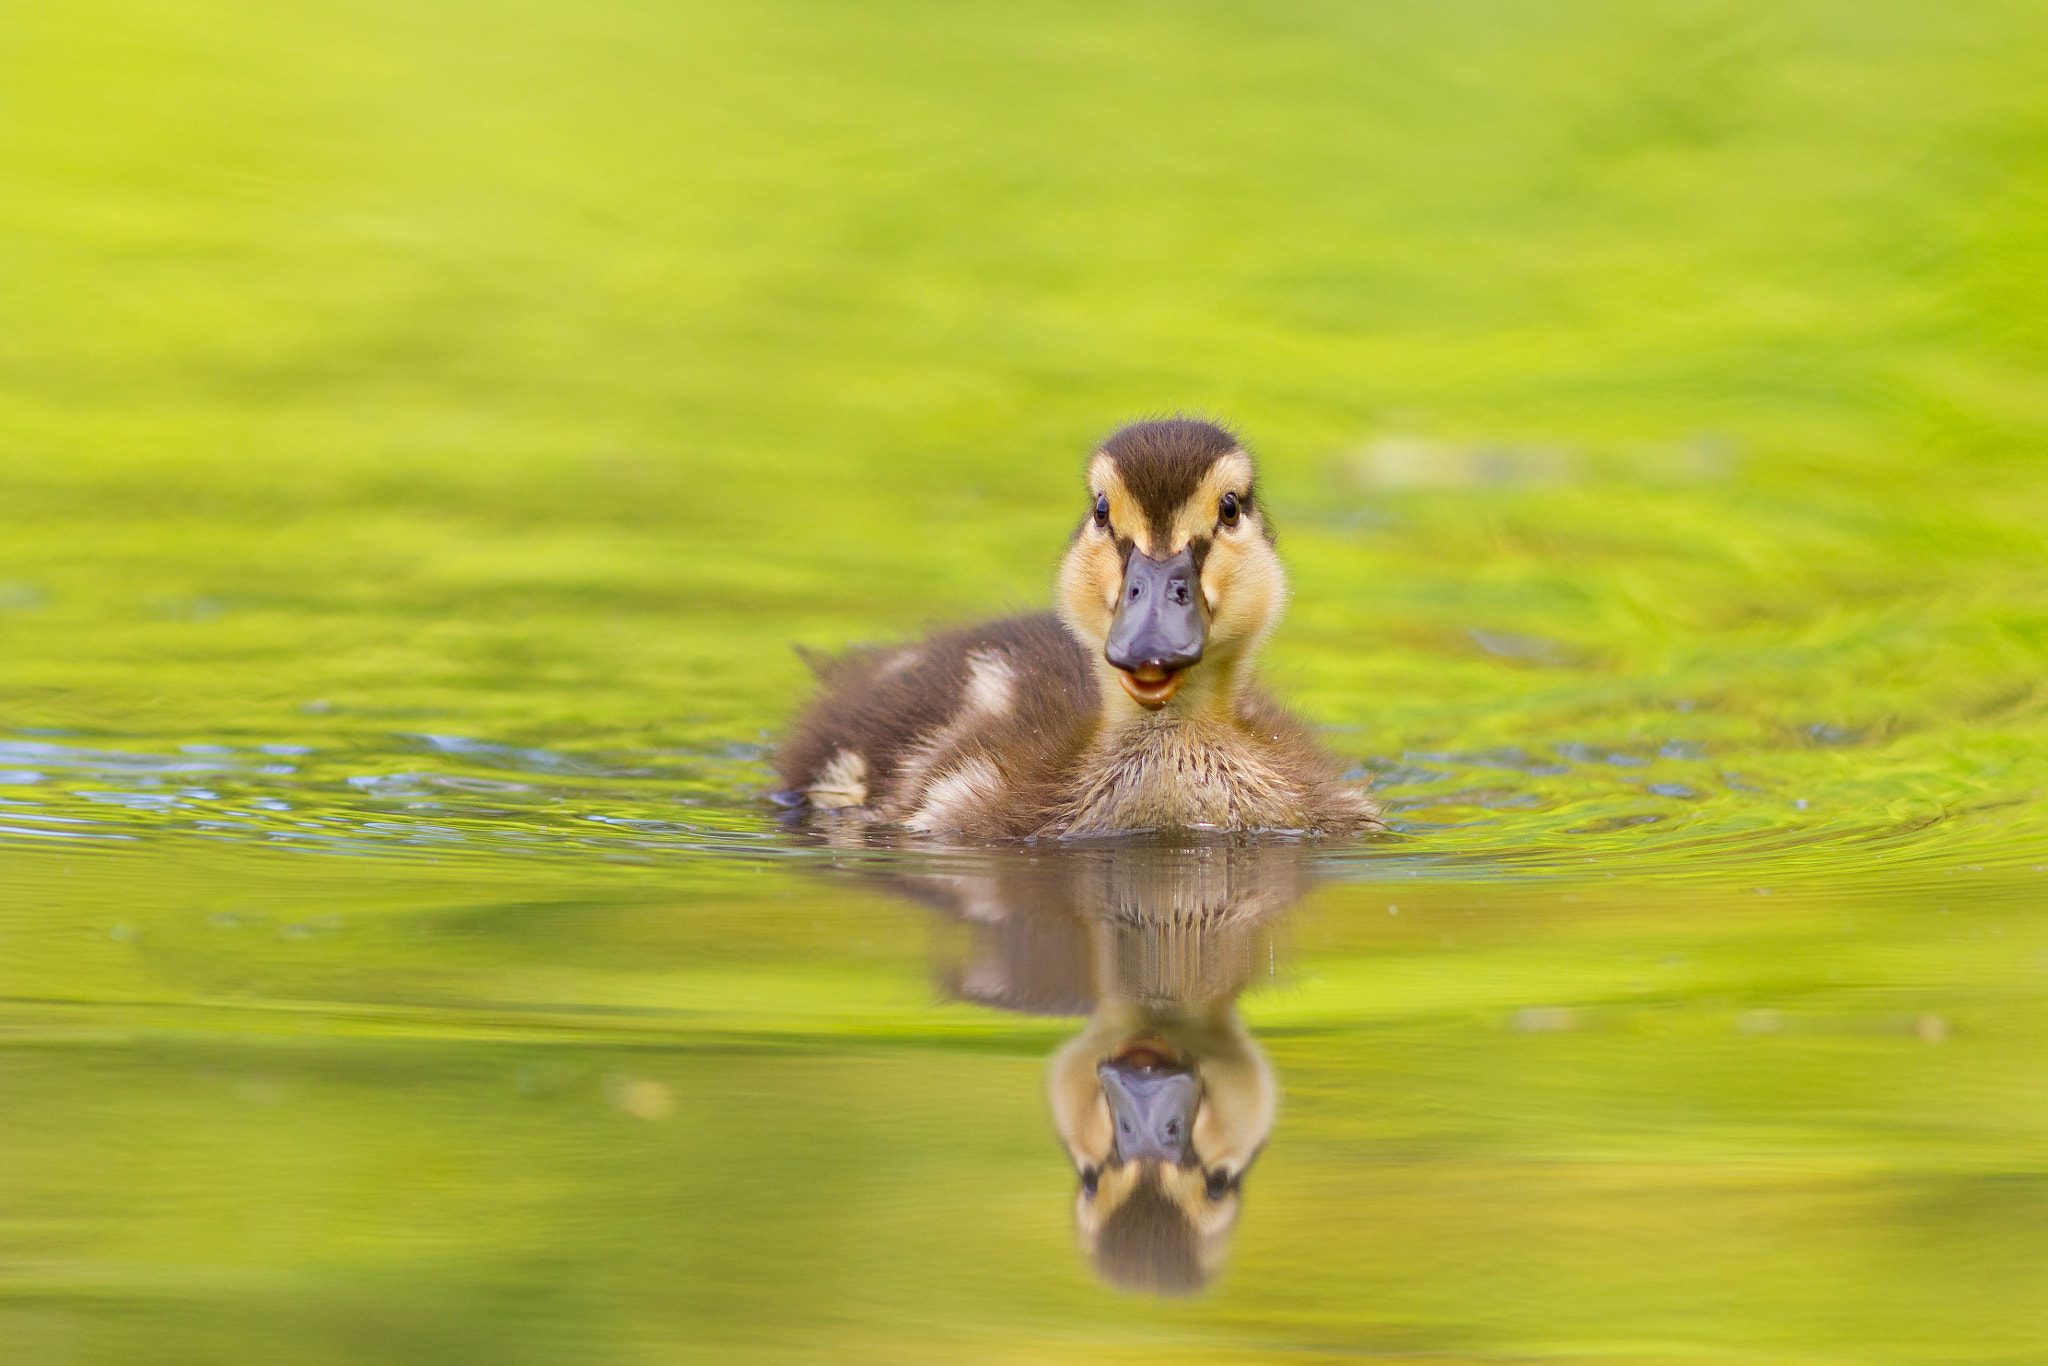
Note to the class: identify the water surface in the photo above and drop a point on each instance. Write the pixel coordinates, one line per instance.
(462, 1051)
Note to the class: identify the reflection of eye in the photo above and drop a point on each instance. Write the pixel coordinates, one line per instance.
(1219, 1184)
(1091, 1177)
(1102, 509)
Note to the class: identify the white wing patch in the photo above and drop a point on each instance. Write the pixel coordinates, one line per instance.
(944, 800)
(991, 683)
(953, 795)
(897, 663)
(841, 783)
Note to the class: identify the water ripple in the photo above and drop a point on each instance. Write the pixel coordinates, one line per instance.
(1502, 811)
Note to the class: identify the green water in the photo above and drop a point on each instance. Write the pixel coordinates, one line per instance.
(425, 429)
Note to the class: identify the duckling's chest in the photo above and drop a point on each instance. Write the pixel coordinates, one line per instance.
(1152, 776)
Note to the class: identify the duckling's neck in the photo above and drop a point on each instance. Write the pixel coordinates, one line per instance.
(1191, 763)
(1209, 697)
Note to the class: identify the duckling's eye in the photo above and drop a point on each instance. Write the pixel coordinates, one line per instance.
(1230, 509)
(1102, 510)
(1219, 1184)
(1091, 1177)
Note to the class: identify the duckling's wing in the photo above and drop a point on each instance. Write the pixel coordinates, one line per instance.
(962, 730)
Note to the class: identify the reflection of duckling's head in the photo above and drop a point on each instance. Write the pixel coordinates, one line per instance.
(1161, 1114)
(1163, 1101)
(1172, 577)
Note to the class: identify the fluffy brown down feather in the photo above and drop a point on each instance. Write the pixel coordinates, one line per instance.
(906, 714)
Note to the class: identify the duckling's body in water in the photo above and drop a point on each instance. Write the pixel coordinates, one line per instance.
(1132, 708)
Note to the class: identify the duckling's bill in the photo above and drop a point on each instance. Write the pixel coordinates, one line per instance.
(1161, 625)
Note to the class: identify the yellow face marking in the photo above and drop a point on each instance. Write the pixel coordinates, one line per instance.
(1201, 515)
(1243, 584)
(1092, 574)
(1126, 518)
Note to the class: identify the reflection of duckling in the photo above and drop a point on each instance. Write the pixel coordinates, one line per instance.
(1162, 1113)
(1164, 1101)
(1134, 708)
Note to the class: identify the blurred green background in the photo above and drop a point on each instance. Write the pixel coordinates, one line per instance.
(425, 428)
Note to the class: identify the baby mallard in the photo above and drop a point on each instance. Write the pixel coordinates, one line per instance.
(1134, 708)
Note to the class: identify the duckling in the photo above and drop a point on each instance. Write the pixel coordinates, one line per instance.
(1132, 707)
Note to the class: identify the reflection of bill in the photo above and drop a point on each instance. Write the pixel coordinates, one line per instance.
(1164, 1101)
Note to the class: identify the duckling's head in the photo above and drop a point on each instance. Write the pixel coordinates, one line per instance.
(1172, 580)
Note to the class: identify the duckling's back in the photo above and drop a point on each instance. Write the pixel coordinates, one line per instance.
(967, 730)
